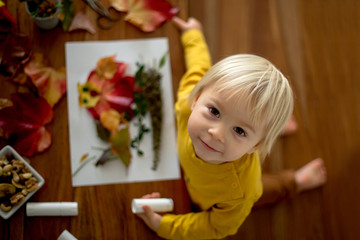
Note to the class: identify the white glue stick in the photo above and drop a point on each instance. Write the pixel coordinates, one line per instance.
(65, 235)
(157, 204)
(52, 209)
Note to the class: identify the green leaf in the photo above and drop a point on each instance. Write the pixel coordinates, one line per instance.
(163, 60)
(68, 11)
(120, 142)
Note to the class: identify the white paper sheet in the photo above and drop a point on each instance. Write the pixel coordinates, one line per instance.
(81, 58)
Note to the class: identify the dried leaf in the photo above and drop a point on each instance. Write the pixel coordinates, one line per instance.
(51, 83)
(68, 13)
(81, 21)
(102, 132)
(106, 67)
(89, 94)
(24, 123)
(122, 5)
(83, 157)
(120, 144)
(116, 92)
(146, 14)
(110, 119)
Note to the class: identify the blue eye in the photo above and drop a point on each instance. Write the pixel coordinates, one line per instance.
(214, 112)
(239, 131)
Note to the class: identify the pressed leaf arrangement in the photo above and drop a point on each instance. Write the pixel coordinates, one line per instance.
(114, 100)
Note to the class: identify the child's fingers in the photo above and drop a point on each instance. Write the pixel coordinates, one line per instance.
(179, 22)
(148, 212)
(152, 195)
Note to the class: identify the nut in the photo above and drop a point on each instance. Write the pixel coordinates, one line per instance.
(27, 175)
(17, 198)
(7, 168)
(5, 208)
(31, 184)
(25, 192)
(3, 162)
(6, 188)
(18, 165)
(16, 182)
(15, 176)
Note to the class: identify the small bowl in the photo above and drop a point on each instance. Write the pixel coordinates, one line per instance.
(40, 180)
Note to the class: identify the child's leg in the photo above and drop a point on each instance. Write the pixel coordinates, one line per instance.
(277, 187)
(311, 175)
(285, 184)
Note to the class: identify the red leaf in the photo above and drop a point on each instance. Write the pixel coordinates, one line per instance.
(24, 122)
(116, 93)
(146, 14)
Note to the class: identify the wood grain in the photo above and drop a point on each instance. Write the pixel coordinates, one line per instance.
(316, 45)
(104, 211)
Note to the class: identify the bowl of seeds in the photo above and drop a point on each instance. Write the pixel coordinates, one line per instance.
(18, 181)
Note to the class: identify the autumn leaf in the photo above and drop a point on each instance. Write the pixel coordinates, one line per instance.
(120, 142)
(81, 21)
(110, 119)
(51, 83)
(146, 14)
(107, 67)
(116, 89)
(24, 121)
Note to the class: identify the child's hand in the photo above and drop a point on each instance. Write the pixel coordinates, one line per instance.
(151, 219)
(184, 26)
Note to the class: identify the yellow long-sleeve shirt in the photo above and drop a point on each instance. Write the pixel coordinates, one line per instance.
(226, 192)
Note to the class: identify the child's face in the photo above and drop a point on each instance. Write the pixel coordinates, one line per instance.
(219, 130)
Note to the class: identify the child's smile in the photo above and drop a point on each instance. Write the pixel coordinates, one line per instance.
(221, 131)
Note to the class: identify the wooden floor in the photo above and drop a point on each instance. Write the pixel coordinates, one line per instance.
(317, 45)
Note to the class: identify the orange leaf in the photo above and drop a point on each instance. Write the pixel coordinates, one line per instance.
(110, 119)
(122, 5)
(106, 67)
(146, 14)
(51, 83)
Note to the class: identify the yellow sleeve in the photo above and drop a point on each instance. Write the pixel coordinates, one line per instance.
(220, 221)
(197, 61)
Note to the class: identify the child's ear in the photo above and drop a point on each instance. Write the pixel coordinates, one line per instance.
(194, 103)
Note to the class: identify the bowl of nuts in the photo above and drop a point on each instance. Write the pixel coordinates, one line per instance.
(18, 181)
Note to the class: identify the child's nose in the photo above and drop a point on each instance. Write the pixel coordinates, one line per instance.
(217, 132)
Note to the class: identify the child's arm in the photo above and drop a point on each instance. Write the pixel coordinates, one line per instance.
(219, 222)
(196, 53)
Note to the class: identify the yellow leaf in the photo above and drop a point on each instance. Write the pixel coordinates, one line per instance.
(106, 67)
(120, 144)
(110, 119)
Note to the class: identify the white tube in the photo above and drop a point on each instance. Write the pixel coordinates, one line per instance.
(157, 204)
(66, 235)
(52, 209)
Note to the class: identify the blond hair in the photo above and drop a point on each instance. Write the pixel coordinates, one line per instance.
(256, 82)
